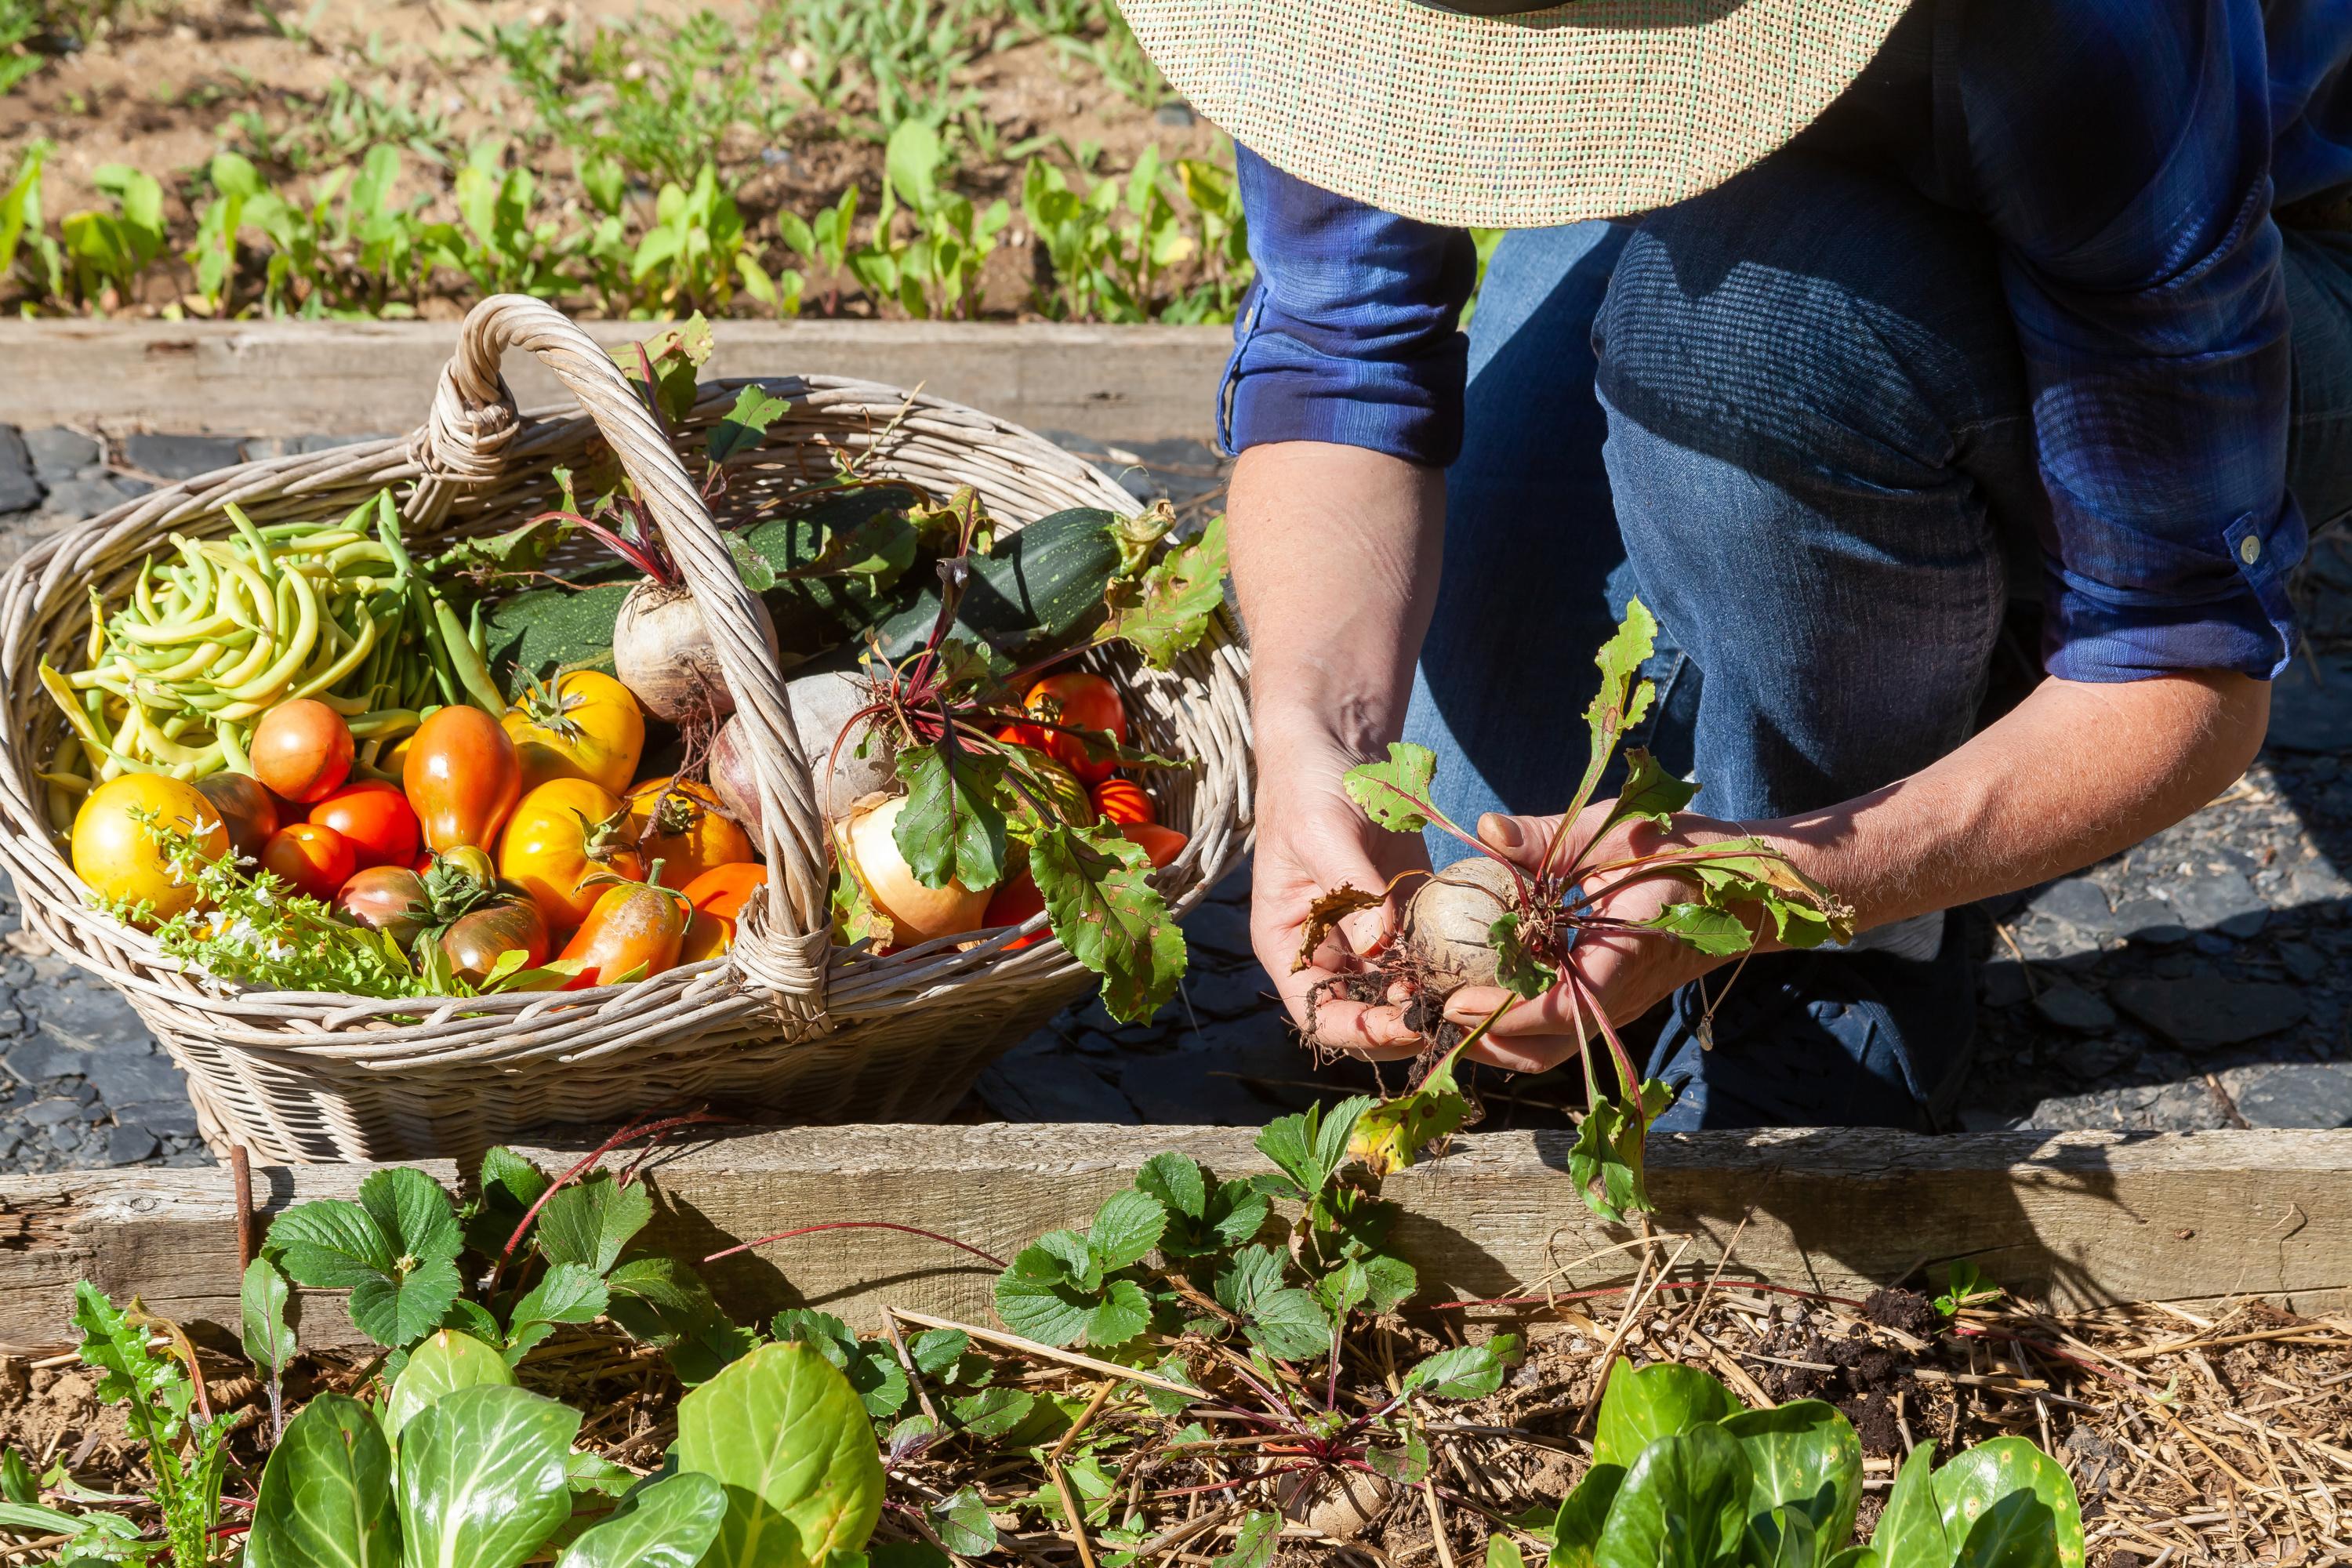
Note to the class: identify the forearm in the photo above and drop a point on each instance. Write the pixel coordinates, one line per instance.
(1334, 557)
(2076, 772)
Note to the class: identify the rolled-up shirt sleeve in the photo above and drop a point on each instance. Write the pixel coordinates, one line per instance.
(1350, 332)
(2143, 268)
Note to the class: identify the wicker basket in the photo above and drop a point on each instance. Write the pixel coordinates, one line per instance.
(786, 1026)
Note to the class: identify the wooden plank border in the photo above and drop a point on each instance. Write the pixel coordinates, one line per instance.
(2077, 1219)
(298, 378)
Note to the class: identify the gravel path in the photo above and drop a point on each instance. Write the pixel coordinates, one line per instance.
(2202, 979)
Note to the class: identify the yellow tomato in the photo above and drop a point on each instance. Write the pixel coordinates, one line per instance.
(114, 852)
(689, 832)
(561, 834)
(585, 726)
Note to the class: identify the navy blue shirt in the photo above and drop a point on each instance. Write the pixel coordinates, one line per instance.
(2127, 156)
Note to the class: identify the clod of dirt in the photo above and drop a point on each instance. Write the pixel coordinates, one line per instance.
(1894, 1308)
(1343, 1504)
(1443, 933)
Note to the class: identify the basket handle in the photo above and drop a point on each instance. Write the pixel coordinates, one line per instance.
(783, 948)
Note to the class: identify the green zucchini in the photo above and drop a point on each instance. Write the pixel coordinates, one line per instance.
(818, 614)
(542, 630)
(1041, 591)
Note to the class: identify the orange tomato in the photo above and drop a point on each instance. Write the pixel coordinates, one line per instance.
(302, 750)
(1160, 845)
(718, 896)
(635, 927)
(1078, 700)
(683, 827)
(1014, 900)
(314, 860)
(1123, 800)
(558, 839)
(375, 816)
(461, 776)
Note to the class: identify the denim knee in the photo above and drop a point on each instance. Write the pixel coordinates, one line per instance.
(1807, 321)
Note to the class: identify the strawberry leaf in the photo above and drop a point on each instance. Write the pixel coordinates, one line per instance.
(1100, 901)
(952, 826)
(1168, 609)
(1395, 793)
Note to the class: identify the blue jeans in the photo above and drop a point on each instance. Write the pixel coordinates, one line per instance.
(1791, 416)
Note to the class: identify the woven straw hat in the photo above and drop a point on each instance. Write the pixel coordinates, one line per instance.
(1487, 113)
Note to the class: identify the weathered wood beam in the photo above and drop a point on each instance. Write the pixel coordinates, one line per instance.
(294, 378)
(2078, 1219)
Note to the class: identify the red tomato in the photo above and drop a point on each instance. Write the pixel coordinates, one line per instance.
(462, 777)
(302, 750)
(387, 897)
(1014, 900)
(1161, 845)
(635, 926)
(375, 816)
(249, 810)
(1079, 701)
(1123, 800)
(315, 860)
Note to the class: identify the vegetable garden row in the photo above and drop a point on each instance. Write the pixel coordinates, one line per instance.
(1165, 242)
(831, 157)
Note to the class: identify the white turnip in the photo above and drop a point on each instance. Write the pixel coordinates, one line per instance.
(916, 913)
(1340, 1504)
(823, 702)
(1443, 933)
(663, 652)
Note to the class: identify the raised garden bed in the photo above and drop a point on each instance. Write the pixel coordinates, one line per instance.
(2171, 1330)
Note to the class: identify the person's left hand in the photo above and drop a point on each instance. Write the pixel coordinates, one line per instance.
(1628, 973)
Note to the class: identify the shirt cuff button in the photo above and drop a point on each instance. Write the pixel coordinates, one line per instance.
(2249, 550)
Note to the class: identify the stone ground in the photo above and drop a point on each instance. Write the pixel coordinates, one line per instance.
(2202, 979)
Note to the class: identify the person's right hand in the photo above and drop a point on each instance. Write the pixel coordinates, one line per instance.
(1311, 838)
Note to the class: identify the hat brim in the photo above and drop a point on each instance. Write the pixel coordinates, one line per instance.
(1595, 108)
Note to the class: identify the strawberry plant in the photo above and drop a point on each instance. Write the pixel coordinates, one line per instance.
(1489, 921)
